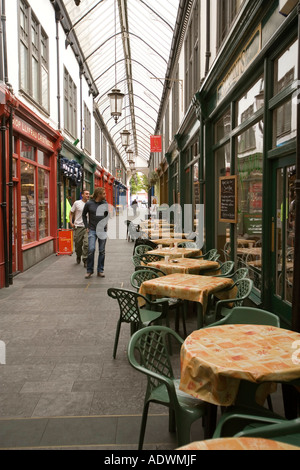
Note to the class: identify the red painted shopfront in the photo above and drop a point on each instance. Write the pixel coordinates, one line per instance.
(30, 181)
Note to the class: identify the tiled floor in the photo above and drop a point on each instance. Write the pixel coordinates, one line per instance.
(60, 386)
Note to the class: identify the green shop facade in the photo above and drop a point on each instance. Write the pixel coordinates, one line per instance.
(240, 132)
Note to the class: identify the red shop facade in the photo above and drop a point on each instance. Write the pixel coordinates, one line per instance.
(28, 190)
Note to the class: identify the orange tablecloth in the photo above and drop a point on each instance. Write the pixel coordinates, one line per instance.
(189, 287)
(214, 360)
(177, 252)
(186, 266)
(238, 443)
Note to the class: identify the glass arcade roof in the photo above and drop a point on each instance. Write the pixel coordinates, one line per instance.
(126, 45)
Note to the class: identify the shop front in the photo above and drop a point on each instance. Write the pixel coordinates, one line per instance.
(247, 113)
(32, 203)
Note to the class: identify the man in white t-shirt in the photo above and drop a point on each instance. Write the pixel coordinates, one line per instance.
(80, 234)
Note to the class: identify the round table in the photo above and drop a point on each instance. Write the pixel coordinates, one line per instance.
(241, 443)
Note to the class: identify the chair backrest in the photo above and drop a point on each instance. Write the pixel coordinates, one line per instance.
(128, 303)
(211, 254)
(227, 268)
(149, 257)
(141, 249)
(187, 245)
(215, 257)
(240, 274)
(136, 259)
(244, 288)
(151, 268)
(152, 345)
(252, 316)
(138, 277)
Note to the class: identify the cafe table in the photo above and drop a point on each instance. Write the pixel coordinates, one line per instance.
(176, 252)
(238, 443)
(256, 251)
(186, 266)
(190, 287)
(169, 241)
(216, 361)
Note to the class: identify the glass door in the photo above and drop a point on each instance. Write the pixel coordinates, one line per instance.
(283, 237)
(15, 230)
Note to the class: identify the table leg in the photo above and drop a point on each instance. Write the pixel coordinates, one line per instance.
(200, 320)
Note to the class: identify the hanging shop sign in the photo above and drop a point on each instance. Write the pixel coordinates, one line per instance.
(155, 143)
(228, 199)
(72, 170)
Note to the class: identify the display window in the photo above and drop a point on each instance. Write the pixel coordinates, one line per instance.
(35, 210)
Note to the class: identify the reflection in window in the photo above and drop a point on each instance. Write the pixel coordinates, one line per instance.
(250, 181)
(285, 68)
(27, 151)
(223, 126)
(284, 123)
(28, 216)
(43, 203)
(251, 102)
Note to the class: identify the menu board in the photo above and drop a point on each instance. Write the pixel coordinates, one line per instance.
(228, 199)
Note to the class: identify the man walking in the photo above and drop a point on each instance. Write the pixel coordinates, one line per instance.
(76, 222)
(96, 226)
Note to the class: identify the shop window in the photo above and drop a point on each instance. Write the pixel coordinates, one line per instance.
(227, 11)
(250, 190)
(223, 126)
(43, 203)
(285, 68)
(87, 129)
(251, 102)
(43, 158)
(28, 202)
(27, 151)
(33, 52)
(284, 123)
(222, 164)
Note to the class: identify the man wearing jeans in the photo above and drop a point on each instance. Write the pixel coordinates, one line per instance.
(96, 225)
(76, 222)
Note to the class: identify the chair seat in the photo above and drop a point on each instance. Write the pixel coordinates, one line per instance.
(160, 394)
(147, 316)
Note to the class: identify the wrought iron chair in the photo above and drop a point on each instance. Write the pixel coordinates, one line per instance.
(131, 311)
(225, 268)
(163, 388)
(150, 268)
(240, 273)
(136, 260)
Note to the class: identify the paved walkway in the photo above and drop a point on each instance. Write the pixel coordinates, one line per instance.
(60, 386)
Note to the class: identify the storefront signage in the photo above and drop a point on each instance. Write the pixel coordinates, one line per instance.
(241, 64)
(28, 131)
(228, 199)
(155, 143)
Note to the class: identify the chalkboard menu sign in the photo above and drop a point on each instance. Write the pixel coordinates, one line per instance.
(228, 199)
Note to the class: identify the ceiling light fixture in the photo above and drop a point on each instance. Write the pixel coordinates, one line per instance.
(115, 96)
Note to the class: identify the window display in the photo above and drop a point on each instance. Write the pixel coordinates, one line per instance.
(28, 214)
(43, 203)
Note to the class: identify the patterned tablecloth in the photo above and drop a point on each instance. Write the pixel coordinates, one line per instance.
(189, 287)
(169, 241)
(177, 252)
(186, 266)
(238, 443)
(214, 360)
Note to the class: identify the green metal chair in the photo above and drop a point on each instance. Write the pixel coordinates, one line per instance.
(150, 268)
(149, 258)
(240, 273)
(210, 255)
(136, 260)
(131, 312)
(163, 388)
(142, 275)
(244, 288)
(225, 268)
(249, 315)
(141, 249)
(287, 431)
